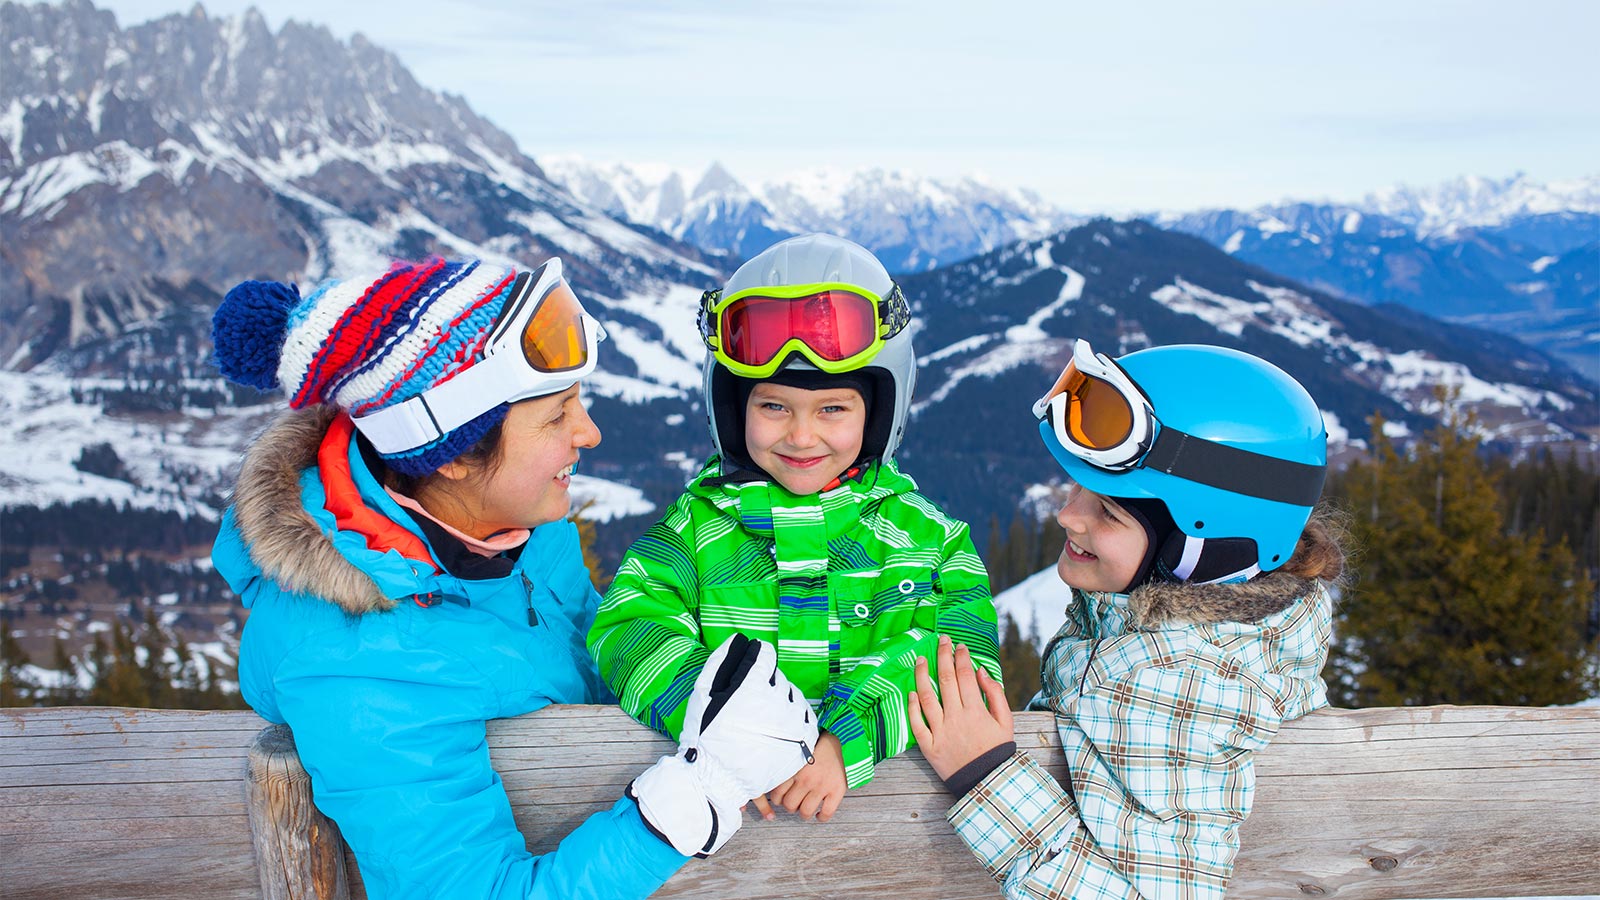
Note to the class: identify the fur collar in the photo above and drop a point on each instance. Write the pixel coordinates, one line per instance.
(284, 541)
(1165, 604)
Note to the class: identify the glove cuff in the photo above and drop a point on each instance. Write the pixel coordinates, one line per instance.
(676, 807)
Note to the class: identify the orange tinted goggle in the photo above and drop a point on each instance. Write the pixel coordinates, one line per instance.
(553, 340)
(1097, 414)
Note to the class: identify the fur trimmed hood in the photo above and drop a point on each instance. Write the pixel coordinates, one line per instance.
(288, 546)
(1166, 604)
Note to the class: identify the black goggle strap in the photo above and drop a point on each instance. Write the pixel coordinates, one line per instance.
(894, 311)
(707, 321)
(1233, 469)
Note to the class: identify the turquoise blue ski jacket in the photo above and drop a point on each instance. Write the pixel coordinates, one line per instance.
(387, 669)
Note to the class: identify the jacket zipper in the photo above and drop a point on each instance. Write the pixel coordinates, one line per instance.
(527, 590)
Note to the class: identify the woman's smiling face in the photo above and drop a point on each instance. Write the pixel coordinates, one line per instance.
(1105, 544)
(527, 484)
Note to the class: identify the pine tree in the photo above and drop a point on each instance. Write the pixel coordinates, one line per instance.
(16, 688)
(154, 670)
(66, 691)
(1019, 663)
(1451, 606)
(118, 680)
(586, 543)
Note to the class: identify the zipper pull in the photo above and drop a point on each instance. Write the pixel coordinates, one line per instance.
(527, 590)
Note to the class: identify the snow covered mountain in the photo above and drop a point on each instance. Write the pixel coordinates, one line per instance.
(913, 223)
(1473, 201)
(145, 170)
(1514, 256)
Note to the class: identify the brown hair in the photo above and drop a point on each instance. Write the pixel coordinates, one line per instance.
(485, 455)
(1321, 551)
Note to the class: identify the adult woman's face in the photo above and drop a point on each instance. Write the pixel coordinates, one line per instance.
(528, 486)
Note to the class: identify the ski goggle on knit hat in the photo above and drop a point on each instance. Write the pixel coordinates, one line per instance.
(1101, 417)
(543, 342)
(838, 327)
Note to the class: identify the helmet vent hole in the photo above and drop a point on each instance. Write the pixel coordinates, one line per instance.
(1275, 557)
(1199, 525)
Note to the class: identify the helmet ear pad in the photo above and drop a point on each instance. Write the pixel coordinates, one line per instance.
(1195, 560)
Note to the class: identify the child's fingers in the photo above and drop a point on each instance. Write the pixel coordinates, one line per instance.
(811, 804)
(764, 808)
(949, 691)
(926, 698)
(830, 805)
(919, 728)
(999, 706)
(790, 798)
(966, 682)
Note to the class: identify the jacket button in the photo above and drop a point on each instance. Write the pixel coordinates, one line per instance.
(862, 610)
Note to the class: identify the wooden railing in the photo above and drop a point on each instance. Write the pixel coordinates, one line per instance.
(1376, 803)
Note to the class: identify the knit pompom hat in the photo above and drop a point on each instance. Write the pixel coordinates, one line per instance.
(363, 344)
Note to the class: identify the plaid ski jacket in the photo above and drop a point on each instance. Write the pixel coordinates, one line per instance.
(850, 585)
(1161, 698)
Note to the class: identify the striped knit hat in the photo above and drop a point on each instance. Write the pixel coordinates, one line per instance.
(363, 344)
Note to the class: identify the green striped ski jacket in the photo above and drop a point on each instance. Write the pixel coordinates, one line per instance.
(851, 585)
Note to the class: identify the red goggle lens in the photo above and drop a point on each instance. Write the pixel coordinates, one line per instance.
(836, 325)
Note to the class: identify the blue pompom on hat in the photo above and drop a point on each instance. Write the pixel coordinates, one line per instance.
(247, 331)
(362, 344)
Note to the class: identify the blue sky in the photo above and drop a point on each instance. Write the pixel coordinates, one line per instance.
(1100, 107)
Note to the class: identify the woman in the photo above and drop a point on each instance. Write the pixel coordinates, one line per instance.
(399, 537)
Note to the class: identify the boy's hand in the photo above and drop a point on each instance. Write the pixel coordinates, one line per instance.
(815, 791)
(960, 729)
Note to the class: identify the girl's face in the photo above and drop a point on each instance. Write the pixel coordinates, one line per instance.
(1105, 544)
(804, 439)
(539, 443)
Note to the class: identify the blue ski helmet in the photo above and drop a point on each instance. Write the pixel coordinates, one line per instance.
(1239, 449)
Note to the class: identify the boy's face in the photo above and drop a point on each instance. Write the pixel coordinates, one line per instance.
(1105, 544)
(804, 439)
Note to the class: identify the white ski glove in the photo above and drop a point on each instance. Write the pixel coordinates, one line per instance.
(746, 730)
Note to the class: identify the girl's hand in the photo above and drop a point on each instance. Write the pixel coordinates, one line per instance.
(960, 729)
(814, 791)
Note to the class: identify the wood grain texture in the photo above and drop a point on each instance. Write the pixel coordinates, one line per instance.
(1378, 803)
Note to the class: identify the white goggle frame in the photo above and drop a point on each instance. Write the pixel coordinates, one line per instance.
(1126, 454)
(504, 375)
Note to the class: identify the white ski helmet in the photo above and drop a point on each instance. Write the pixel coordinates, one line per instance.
(814, 259)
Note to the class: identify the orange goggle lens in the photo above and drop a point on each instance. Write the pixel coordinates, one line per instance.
(554, 339)
(835, 324)
(1098, 415)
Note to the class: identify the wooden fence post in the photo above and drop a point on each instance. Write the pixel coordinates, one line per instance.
(299, 851)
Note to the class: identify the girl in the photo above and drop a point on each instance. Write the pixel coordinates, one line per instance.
(1199, 621)
(400, 539)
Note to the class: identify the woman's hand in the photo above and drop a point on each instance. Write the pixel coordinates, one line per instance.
(814, 791)
(960, 729)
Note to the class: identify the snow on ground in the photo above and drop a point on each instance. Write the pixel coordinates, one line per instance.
(173, 464)
(1038, 604)
(602, 501)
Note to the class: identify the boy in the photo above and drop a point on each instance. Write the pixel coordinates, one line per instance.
(801, 530)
